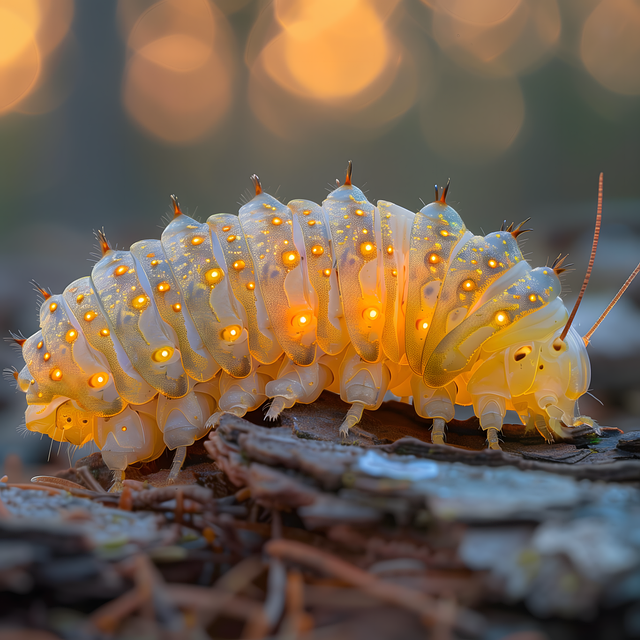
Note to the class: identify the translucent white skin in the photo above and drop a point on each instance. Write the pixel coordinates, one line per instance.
(283, 302)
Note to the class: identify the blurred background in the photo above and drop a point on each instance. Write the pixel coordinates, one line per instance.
(106, 108)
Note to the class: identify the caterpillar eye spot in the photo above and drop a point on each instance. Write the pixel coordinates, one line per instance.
(69, 419)
(522, 353)
(541, 367)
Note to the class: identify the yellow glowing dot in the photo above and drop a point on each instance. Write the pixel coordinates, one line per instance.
(98, 380)
(306, 212)
(72, 334)
(151, 255)
(226, 228)
(231, 238)
(56, 375)
(120, 270)
(104, 332)
(501, 318)
(474, 262)
(276, 221)
(40, 345)
(213, 276)
(317, 250)
(533, 297)
(163, 286)
(468, 285)
(251, 286)
(239, 265)
(290, 258)
(196, 240)
(231, 333)
(359, 212)
(176, 307)
(162, 354)
(155, 263)
(326, 272)
(492, 263)
(80, 298)
(434, 258)
(390, 250)
(53, 306)
(394, 273)
(371, 313)
(90, 315)
(444, 233)
(367, 249)
(46, 356)
(302, 320)
(140, 302)
(311, 223)
(123, 428)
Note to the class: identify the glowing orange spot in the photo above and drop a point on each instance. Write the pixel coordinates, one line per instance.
(306, 212)
(290, 258)
(359, 212)
(213, 276)
(176, 306)
(71, 335)
(53, 306)
(46, 356)
(239, 265)
(317, 250)
(444, 233)
(140, 302)
(163, 354)
(226, 228)
(326, 272)
(301, 321)
(155, 263)
(40, 345)
(434, 258)
(56, 375)
(163, 287)
(501, 318)
(104, 332)
(422, 325)
(80, 298)
(231, 238)
(276, 221)
(231, 333)
(390, 251)
(98, 380)
(367, 249)
(492, 263)
(196, 240)
(90, 315)
(371, 313)
(123, 428)
(394, 273)
(151, 255)
(251, 286)
(120, 270)
(468, 285)
(311, 223)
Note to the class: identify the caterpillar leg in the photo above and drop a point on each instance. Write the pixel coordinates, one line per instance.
(492, 410)
(438, 435)
(354, 415)
(296, 384)
(118, 479)
(437, 404)
(542, 429)
(176, 465)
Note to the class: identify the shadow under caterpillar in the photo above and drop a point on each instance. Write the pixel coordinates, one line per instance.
(283, 301)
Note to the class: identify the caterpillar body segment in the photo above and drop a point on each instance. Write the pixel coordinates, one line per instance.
(284, 301)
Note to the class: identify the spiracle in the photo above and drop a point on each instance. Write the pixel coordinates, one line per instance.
(281, 302)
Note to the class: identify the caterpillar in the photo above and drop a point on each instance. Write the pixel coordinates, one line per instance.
(283, 301)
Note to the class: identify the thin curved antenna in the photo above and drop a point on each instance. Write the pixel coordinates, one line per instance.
(605, 313)
(594, 246)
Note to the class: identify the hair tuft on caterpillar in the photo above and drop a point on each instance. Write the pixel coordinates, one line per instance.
(281, 302)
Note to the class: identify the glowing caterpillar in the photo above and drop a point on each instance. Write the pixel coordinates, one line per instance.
(283, 301)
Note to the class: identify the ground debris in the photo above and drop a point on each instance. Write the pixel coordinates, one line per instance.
(293, 532)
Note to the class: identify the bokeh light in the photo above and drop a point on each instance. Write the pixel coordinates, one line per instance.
(30, 30)
(178, 81)
(497, 37)
(610, 46)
